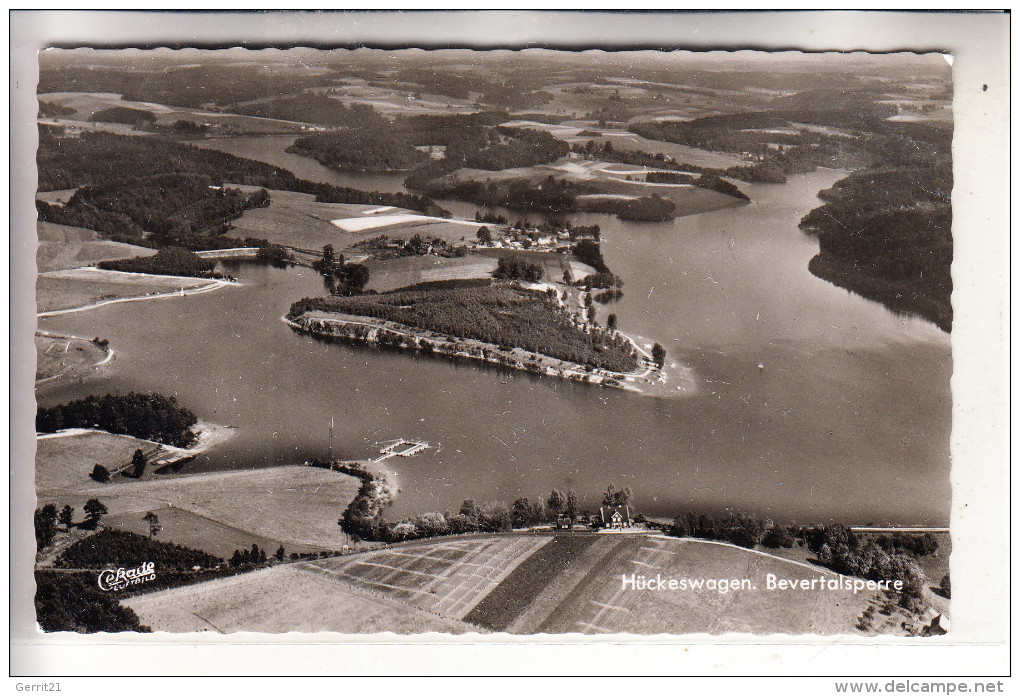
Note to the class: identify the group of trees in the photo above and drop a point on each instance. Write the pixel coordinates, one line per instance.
(517, 267)
(124, 114)
(836, 546)
(498, 314)
(366, 522)
(147, 416)
(246, 557)
(115, 548)
(342, 278)
(175, 261)
(47, 518)
(839, 548)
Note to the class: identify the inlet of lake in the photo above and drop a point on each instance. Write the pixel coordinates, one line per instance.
(810, 404)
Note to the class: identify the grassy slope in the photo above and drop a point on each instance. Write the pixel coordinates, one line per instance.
(62, 247)
(292, 505)
(65, 356)
(281, 599)
(574, 582)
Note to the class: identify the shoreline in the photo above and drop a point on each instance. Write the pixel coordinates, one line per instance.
(209, 435)
(110, 353)
(411, 338)
(213, 284)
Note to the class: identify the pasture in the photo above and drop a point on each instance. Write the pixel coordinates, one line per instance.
(391, 274)
(515, 583)
(82, 287)
(291, 505)
(58, 356)
(600, 604)
(444, 577)
(64, 462)
(62, 247)
(283, 599)
(197, 532)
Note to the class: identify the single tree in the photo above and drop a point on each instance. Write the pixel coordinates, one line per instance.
(659, 355)
(614, 497)
(611, 322)
(100, 473)
(468, 508)
(484, 235)
(138, 463)
(153, 520)
(571, 510)
(67, 516)
(280, 553)
(557, 501)
(328, 255)
(94, 511)
(568, 277)
(45, 525)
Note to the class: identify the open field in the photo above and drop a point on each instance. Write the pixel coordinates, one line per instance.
(291, 505)
(600, 604)
(197, 532)
(295, 219)
(390, 274)
(62, 247)
(65, 462)
(609, 179)
(86, 104)
(554, 263)
(446, 577)
(519, 583)
(83, 287)
(570, 131)
(283, 599)
(65, 356)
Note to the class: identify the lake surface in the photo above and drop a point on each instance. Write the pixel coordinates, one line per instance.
(811, 403)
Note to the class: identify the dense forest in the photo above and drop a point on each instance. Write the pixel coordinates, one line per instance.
(173, 261)
(887, 235)
(157, 192)
(360, 150)
(73, 602)
(193, 86)
(498, 314)
(116, 548)
(147, 416)
(124, 114)
(175, 209)
(314, 108)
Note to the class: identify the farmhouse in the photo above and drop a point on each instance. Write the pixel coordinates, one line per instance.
(615, 517)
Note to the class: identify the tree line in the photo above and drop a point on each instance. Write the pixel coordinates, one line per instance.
(174, 261)
(147, 416)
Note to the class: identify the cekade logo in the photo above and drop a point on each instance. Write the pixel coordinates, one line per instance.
(112, 580)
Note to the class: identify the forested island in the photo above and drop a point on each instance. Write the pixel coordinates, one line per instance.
(500, 314)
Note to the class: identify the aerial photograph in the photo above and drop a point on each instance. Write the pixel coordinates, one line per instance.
(520, 342)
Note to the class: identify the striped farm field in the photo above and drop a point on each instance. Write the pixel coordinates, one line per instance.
(518, 584)
(447, 578)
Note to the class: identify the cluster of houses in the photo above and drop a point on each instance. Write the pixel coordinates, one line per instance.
(533, 240)
(608, 517)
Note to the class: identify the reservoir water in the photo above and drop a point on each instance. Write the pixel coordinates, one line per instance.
(810, 404)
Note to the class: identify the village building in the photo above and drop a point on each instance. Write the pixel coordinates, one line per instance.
(615, 517)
